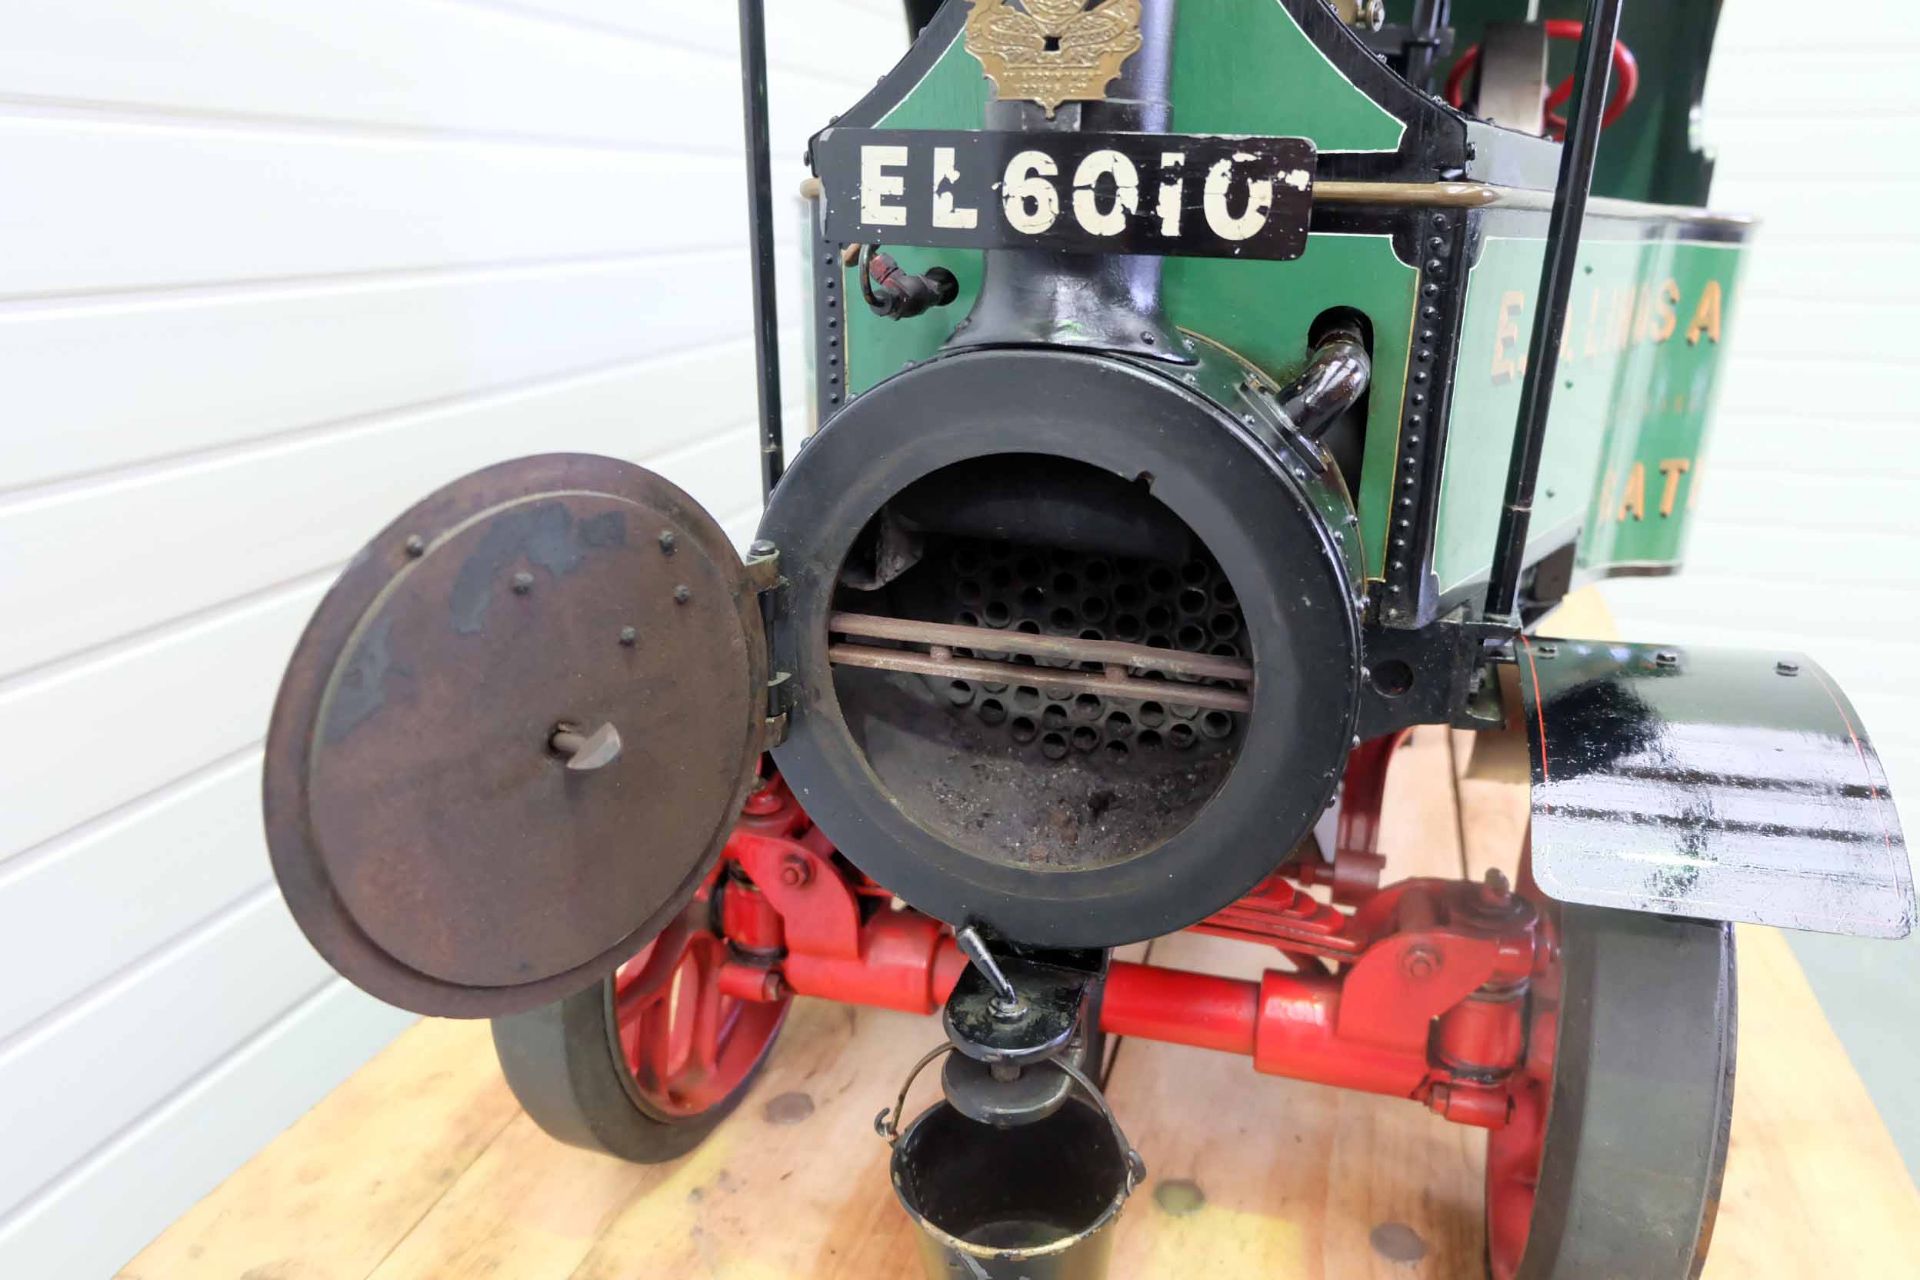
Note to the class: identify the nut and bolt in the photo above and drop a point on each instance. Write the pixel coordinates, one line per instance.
(1495, 890)
(1667, 658)
(794, 871)
(1786, 668)
(629, 636)
(1420, 963)
(682, 593)
(522, 583)
(667, 542)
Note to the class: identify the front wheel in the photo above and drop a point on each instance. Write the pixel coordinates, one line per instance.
(646, 1063)
(1611, 1163)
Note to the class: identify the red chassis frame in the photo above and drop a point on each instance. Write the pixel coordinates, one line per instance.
(1417, 991)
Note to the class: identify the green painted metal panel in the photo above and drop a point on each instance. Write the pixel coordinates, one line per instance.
(952, 95)
(1263, 311)
(1240, 66)
(1245, 66)
(1639, 370)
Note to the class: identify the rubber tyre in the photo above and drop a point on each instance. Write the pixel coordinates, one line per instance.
(1642, 1099)
(564, 1065)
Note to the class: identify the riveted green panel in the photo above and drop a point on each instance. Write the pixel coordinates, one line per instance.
(1245, 66)
(1240, 66)
(1264, 310)
(1639, 371)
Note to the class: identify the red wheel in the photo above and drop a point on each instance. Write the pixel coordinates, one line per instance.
(1626, 79)
(1513, 1153)
(1611, 1163)
(645, 1063)
(688, 1045)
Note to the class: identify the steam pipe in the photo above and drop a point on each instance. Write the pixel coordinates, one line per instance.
(1335, 377)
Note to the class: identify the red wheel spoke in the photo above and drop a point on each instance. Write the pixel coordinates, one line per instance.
(687, 1044)
(706, 1027)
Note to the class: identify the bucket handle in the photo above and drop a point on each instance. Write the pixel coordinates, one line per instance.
(887, 1123)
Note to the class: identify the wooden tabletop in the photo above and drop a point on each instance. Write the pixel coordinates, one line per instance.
(421, 1165)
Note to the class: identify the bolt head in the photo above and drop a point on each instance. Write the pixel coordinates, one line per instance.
(667, 542)
(682, 594)
(1420, 963)
(629, 636)
(1786, 668)
(522, 582)
(416, 545)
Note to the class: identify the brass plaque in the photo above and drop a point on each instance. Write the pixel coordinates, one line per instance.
(1053, 51)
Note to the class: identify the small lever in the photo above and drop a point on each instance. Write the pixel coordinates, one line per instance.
(588, 751)
(1006, 1001)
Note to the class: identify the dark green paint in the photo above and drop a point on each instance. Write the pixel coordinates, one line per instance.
(1244, 66)
(1240, 66)
(1646, 403)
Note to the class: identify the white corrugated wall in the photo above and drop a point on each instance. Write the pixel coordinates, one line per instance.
(1806, 533)
(269, 271)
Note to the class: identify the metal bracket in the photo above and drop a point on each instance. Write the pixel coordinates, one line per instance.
(763, 566)
(1436, 675)
(779, 706)
(764, 577)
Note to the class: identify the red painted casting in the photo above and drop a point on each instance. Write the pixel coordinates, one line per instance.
(1418, 991)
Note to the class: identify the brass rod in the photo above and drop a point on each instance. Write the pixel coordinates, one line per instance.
(1134, 657)
(1485, 195)
(1132, 688)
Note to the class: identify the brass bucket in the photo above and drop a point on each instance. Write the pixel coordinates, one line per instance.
(1036, 1201)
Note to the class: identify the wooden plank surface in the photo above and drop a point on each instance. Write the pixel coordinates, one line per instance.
(421, 1166)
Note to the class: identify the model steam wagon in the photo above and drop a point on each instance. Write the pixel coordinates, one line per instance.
(1207, 393)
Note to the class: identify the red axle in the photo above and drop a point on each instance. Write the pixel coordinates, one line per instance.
(1418, 993)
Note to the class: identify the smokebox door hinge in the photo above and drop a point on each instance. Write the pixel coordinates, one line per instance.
(764, 577)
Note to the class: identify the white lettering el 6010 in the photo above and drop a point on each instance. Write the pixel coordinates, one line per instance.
(1178, 194)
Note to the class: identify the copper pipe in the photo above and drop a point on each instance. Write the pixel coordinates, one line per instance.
(1115, 685)
(1109, 653)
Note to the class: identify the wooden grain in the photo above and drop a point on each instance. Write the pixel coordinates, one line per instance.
(335, 1193)
(420, 1166)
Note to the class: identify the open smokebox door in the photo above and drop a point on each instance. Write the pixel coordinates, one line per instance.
(516, 734)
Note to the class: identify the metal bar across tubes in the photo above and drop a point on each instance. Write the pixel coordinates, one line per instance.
(1108, 686)
(1110, 653)
(1594, 62)
(766, 314)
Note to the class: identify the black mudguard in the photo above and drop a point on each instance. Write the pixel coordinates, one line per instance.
(1717, 784)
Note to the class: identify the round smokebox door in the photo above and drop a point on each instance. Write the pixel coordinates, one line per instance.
(515, 735)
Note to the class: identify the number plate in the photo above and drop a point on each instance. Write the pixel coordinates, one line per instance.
(1165, 194)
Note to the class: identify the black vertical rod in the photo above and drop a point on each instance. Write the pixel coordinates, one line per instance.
(766, 314)
(1595, 64)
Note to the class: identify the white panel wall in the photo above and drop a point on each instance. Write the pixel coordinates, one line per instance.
(270, 270)
(1807, 534)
